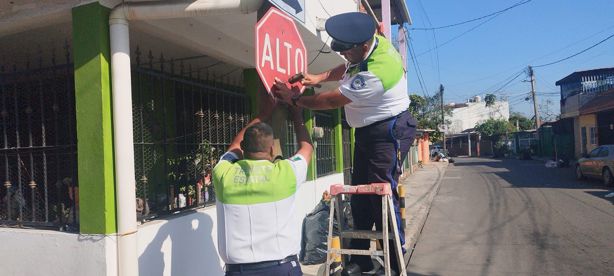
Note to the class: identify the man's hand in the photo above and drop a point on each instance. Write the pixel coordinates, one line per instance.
(312, 80)
(281, 91)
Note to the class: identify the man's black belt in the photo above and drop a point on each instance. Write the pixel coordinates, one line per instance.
(259, 265)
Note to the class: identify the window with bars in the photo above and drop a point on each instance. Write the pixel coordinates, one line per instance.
(325, 146)
(38, 154)
(182, 125)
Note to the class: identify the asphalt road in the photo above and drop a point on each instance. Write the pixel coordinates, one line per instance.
(513, 217)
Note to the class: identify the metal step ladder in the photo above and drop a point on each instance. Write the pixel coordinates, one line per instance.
(388, 215)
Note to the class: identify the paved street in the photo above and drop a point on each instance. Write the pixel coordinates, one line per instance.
(514, 217)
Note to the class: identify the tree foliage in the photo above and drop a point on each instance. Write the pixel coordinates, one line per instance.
(493, 127)
(524, 123)
(427, 110)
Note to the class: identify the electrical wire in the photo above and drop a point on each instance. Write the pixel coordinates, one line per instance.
(414, 60)
(578, 53)
(475, 19)
(320, 51)
(458, 36)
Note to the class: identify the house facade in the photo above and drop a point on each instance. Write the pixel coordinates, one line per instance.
(587, 101)
(467, 115)
(113, 113)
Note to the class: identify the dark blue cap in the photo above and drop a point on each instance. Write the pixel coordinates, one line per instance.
(349, 30)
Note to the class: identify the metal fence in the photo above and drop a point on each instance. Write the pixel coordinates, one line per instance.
(325, 146)
(183, 121)
(290, 145)
(38, 154)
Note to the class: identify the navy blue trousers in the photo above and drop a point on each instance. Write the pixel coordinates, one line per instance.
(379, 151)
(292, 268)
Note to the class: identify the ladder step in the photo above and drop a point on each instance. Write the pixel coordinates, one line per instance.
(356, 252)
(364, 234)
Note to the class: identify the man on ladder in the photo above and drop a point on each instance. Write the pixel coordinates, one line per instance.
(373, 92)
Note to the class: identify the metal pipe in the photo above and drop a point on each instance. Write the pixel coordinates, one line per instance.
(122, 104)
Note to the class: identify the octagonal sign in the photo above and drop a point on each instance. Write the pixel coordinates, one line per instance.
(280, 52)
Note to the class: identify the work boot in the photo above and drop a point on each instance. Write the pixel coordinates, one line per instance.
(351, 269)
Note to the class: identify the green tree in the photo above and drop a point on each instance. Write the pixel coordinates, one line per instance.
(524, 123)
(493, 127)
(427, 110)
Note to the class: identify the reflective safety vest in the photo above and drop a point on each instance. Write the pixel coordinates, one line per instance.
(256, 210)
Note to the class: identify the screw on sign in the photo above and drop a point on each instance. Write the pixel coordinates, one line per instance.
(280, 52)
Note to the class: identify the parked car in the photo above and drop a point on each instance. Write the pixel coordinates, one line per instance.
(599, 163)
(435, 149)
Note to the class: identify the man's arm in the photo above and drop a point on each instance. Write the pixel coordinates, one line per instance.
(305, 147)
(267, 105)
(334, 74)
(322, 101)
(326, 100)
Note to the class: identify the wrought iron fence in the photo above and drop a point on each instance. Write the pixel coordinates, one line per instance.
(347, 153)
(183, 121)
(290, 145)
(38, 154)
(325, 146)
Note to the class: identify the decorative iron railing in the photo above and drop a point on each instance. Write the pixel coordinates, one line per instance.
(325, 146)
(38, 156)
(183, 120)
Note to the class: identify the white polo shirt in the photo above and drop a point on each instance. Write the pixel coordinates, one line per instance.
(256, 202)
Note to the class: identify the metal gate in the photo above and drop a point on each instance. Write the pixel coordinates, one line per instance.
(183, 121)
(325, 146)
(38, 154)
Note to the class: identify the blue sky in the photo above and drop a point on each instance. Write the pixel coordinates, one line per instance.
(484, 59)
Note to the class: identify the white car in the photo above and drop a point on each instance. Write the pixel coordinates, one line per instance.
(599, 163)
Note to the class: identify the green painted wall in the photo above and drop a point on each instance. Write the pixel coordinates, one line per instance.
(338, 140)
(252, 88)
(308, 115)
(94, 121)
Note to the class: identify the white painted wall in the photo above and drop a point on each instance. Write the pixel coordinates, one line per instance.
(467, 117)
(187, 244)
(26, 252)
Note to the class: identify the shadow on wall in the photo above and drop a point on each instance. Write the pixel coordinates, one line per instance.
(182, 246)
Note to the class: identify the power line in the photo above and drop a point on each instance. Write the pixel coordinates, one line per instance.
(458, 36)
(566, 58)
(475, 19)
(416, 66)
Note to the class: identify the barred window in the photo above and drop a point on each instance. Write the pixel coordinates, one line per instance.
(325, 146)
(289, 140)
(182, 125)
(38, 154)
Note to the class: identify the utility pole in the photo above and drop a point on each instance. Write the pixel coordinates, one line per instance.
(537, 120)
(442, 117)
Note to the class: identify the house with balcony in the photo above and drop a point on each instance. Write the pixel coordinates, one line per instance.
(105, 179)
(587, 103)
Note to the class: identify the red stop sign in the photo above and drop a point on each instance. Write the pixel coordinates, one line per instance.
(280, 52)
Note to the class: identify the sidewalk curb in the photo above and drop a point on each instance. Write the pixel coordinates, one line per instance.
(412, 235)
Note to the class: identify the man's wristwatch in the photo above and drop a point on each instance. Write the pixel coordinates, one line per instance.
(295, 99)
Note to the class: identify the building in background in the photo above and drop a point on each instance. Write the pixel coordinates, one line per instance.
(64, 204)
(587, 102)
(465, 116)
